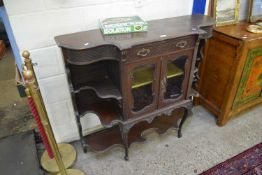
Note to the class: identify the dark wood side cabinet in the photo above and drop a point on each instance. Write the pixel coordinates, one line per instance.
(231, 72)
(135, 81)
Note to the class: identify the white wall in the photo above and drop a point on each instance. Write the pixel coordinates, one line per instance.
(36, 22)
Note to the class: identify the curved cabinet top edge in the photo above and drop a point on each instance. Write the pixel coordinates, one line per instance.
(160, 29)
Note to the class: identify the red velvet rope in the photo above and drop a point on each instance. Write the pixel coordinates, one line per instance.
(40, 128)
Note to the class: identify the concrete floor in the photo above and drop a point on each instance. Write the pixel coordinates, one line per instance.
(202, 146)
(15, 116)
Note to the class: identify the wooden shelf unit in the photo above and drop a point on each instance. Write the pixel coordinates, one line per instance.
(136, 81)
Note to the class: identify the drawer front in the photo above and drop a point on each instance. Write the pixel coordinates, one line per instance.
(159, 48)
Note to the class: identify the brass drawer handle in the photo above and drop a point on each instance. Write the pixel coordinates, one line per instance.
(181, 44)
(143, 52)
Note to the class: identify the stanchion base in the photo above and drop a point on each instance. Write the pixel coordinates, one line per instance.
(73, 172)
(68, 155)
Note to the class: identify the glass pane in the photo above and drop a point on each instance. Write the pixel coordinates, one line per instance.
(142, 86)
(174, 77)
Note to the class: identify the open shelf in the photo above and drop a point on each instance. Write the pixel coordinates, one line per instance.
(105, 139)
(102, 76)
(103, 87)
(161, 124)
(107, 112)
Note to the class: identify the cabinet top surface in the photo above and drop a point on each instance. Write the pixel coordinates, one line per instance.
(238, 31)
(157, 30)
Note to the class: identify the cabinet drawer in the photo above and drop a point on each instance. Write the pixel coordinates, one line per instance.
(159, 48)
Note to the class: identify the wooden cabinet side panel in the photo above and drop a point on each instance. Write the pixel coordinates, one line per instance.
(221, 73)
(215, 74)
(250, 84)
(228, 111)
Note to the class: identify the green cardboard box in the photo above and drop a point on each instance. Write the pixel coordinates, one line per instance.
(123, 25)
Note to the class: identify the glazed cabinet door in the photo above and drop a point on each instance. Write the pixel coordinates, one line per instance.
(142, 86)
(174, 76)
(250, 85)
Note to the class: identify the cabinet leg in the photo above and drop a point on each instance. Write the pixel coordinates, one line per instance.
(222, 119)
(126, 154)
(81, 134)
(179, 135)
(85, 149)
(80, 130)
(125, 141)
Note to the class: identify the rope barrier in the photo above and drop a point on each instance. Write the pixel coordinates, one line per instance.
(40, 128)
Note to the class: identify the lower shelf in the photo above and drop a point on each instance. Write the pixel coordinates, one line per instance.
(107, 138)
(102, 140)
(107, 112)
(161, 124)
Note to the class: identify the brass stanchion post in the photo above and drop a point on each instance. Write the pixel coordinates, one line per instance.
(67, 151)
(64, 154)
(33, 90)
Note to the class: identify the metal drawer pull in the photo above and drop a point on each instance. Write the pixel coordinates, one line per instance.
(181, 44)
(143, 52)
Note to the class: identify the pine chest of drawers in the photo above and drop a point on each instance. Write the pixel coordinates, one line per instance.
(231, 72)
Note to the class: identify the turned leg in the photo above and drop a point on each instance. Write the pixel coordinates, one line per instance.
(125, 140)
(182, 122)
(81, 134)
(124, 134)
(126, 154)
(85, 149)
